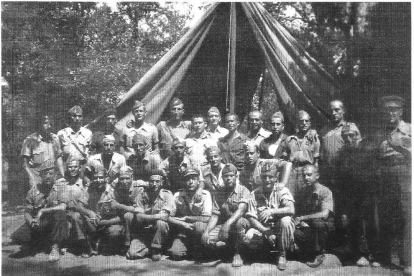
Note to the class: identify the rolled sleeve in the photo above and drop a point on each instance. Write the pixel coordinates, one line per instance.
(169, 205)
(327, 201)
(207, 205)
(252, 208)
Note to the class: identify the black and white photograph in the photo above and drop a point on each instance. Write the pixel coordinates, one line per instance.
(206, 138)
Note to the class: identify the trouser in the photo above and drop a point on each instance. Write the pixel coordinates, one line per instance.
(296, 181)
(138, 229)
(395, 207)
(283, 229)
(78, 225)
(51, 227)
(185, 240)
(314, 239)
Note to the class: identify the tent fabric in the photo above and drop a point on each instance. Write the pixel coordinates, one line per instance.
(195, 69)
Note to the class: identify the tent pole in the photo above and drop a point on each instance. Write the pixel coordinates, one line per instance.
(232, 76)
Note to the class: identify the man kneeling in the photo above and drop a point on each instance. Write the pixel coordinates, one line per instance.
(270, 215)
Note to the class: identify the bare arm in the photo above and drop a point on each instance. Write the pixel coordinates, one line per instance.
(257, 224)
(324, 214)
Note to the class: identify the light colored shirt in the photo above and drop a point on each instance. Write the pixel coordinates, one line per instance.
(261, 135)
(68, 137)
(196, 147)
(187, 206)
(148, 130)
(117, 162)
(218, 133)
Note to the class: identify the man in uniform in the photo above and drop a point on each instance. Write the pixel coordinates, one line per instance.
(275, 145)
(175, 127)
(199, 141)
(46, 215)
(39, 148)
(109, 160)
(250, 176)
(75, 139)
(148, 219)
(191, 217)
(270, 215)
(395, 171)
(232, 145)
(214, 128)
(108, 129)
(256, 132)
(213, 172)
(143, 162)
(139, 126)
(314, 219)
(227, 225)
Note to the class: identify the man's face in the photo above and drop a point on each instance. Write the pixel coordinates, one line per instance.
(255, 121)
(214, 158)
(109, 147)
(155, 184)
(337, 111)
(192, 182)
(268, 181)
(277, 126)
(140, 113)
(232, 123)
(177, 112)
(73, 169)
(124, 183)
(76, 120)
(310, 176)
(198, 125)
(140, 148)
(394, 113)
(46, 126)
(111, 120)
(48, 177)
(350, 139)
(251, 156)
(99, 180)
(229, 179)
(179, 150)
(304, 123)
(214, 118)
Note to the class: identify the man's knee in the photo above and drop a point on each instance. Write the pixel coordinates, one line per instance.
(128, 216)
(242, 224)
(178, 249)
(75, 216)
(285, 222)
(162, 226)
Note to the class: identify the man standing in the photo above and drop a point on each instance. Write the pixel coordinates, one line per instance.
(199, 141)
(175, 127)
(39, 148)
(270, 215)
(275, 145)
(214, 128)
(232, 145)
(139, 126)
(395, 170)
(227, 225)
(256, 132)
(108, 129)
(213, 172)
(314, 216)
(191, 217)
(75, 139)
(109, 160)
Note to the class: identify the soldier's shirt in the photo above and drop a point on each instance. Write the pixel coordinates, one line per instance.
(82, 138)
(190, 206)
(117, 162)
(145, 166)
(278, 199)
(332, 141)
(41, 150)
(224, 205)
(212, 182)
(260, 136)
(167, 133)
(163, 202)
(252, 177)
(218, 133)
(311, 200)
(35, 200)
(173, 168)
(304, 151)
(149, 131)
(233, 151)
(111, 194)
(401, 135)
(97, 140)
(71, 195)
(196, 147)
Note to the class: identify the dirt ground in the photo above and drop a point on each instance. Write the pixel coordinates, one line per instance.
(118, 265)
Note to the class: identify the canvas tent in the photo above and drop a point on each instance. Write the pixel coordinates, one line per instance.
(220, 61)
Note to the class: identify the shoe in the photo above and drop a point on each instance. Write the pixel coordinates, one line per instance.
(362, 262)
(281, 263)
(156, 255)
(237, 261)
(54, 255)
(317, 262)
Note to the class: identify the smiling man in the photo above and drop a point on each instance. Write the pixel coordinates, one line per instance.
(214, 128)
(275, 145)
(256, 132)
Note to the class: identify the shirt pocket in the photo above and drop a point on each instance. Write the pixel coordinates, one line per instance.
(38, 156)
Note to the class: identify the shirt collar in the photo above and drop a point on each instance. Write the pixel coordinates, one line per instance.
(181, 124)
(403, 127)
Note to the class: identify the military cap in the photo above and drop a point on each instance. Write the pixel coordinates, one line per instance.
(229, 168)
(49, 164)
(192, 171)
(110, 111)
(138, 138)
(138, 104)
(213, 109)
(156, 176)
(269, 169)
(125, 171)
(175, 101)
(392, 100)
(108, 138)
(213, 149)
(75, 110)
(178, 140)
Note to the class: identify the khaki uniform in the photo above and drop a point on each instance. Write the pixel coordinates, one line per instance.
(147, 130)
(68, 137)
(167, 133)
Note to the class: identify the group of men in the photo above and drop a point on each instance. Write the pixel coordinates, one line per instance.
(184, 188)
